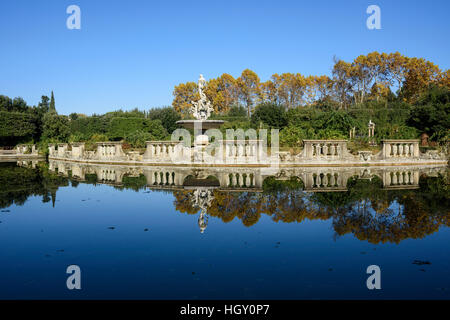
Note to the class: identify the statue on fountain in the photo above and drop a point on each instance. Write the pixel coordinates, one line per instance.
(201, 109)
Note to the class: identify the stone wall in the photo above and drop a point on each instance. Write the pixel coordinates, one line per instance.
(248, 152)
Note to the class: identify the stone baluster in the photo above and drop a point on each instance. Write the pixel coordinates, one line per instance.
(400, 150)
(325, 149)
(394, 178)
(227, 150)
(333, 150)
(325, 180)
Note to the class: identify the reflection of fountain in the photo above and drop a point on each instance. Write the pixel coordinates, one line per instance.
(202, 199)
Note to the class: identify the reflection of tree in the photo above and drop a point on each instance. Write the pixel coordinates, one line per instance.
(378, 215)
(133, 183)
(19, 183)
(365, 209)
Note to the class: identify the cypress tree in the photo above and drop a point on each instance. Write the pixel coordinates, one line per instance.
(52, 107)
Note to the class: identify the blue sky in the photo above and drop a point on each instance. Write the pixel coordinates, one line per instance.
(132, 53)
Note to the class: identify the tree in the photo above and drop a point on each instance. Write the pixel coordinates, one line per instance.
(431, 113)
(291, 90)
(44, 104)
(184, 94)
(168, 117)
(342, 88)
(52, 107)
(420, 75)
(270, 89)
(249, 89)
(271, 114)
(55, 127)
(223, 93)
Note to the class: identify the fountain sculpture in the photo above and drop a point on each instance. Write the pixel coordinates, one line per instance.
(201, 110)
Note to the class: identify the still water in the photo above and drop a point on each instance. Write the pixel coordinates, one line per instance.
(141, 234)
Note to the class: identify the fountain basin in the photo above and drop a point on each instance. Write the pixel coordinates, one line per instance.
(200, 127)
(201, 124)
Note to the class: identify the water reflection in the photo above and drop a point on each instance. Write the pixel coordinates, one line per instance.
(374, 204)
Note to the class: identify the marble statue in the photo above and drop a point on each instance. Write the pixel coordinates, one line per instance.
(201, 109)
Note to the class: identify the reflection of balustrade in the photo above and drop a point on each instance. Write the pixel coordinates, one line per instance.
(401, 178)
(161, 177)
(160, 150)
(325, 181)
(400, 149)
(107, 175)
(325, 149)
(62, 170)
(110, 151)
(241, 180)
(78, 172)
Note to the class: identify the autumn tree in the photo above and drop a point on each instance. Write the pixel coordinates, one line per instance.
(223, 92)
(249, 89)
(419, 76)
(184, 94)
(292, 89)
(342, 88)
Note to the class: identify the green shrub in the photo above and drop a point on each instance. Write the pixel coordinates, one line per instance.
(91, 144)
(138, 138)
(330, 134)
(292, 136)
(55, 127)
(270, 114)
(168, 117)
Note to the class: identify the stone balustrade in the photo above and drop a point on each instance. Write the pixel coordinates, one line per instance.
(22, 149)
(242, 150)
(110, 151)
(245, 152)
(78, 150)
(325, 149)
(400, 149)
(160, 150)
(62, 148)
(52, 150)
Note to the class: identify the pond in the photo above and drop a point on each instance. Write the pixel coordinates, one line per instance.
(137, 233)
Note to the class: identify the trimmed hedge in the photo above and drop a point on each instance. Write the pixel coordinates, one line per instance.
(120, 127)
(16, 124)
(85, 128)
